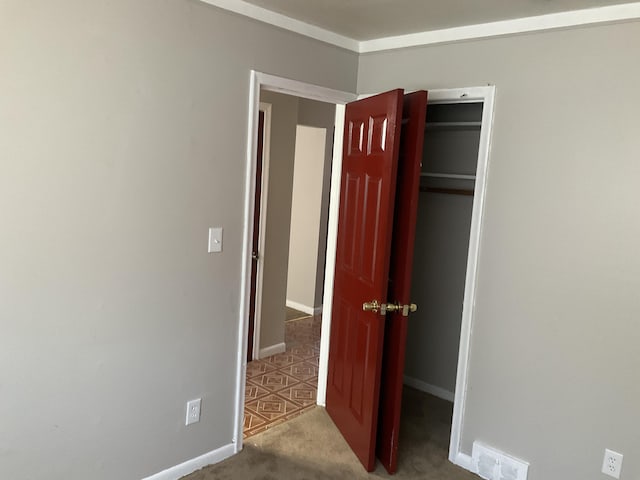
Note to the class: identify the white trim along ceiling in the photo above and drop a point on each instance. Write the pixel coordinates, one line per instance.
(552, 21)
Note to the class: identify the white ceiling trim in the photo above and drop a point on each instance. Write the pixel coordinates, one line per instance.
(288, 23)
(591, 16)
(576, 18)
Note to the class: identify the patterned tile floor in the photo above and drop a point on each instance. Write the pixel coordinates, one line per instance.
(283, 386)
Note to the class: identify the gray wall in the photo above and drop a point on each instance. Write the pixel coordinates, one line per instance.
(122, 139)
(439, 271)
(554, 357)
(284, 118)
(306, 205)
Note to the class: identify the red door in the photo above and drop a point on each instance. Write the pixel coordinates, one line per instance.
(367, 194)
(404, 230)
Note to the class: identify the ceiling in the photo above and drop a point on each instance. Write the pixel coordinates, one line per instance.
(363, 20)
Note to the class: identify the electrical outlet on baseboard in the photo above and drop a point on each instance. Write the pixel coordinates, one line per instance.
(491, 464)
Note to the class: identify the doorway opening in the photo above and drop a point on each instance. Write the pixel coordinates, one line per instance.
(440, 268)
(309, 208)
(290, 220)
(293, 166)
(261, 82)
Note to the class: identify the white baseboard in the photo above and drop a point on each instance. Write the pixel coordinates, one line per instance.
(428, 388)
(272, 350)
(190, 466)
(304, 308)
(464, 461)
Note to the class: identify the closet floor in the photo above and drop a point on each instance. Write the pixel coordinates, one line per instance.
(283, 386)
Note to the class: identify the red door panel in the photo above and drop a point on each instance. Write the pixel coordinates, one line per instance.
(367, 192)
(404, 229)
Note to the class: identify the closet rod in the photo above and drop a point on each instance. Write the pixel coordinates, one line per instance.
(448, 191)
(452, 124)
(449, 175)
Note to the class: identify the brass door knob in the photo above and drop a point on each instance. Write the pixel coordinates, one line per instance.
(372, 306)
(407, 309)
(375, 307)
(403, 309)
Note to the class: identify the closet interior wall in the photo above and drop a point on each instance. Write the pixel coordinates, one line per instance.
(449, 163)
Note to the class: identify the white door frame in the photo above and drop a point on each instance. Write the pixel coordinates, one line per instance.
(262, 81)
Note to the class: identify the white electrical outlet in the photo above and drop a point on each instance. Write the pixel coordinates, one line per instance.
(193, 411)
(612, 463)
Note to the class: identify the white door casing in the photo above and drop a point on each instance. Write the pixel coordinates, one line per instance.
(261, 81)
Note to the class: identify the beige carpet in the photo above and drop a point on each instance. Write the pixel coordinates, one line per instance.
(310, 447)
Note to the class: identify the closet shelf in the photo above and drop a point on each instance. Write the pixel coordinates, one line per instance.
(448, 191)
(430, 125)
(448, 175)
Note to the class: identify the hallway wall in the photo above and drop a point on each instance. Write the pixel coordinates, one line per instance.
(306, 213)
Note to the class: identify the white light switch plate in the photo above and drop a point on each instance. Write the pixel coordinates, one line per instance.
(215, 239)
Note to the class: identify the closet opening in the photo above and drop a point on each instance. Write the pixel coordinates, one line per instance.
(447, 188)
